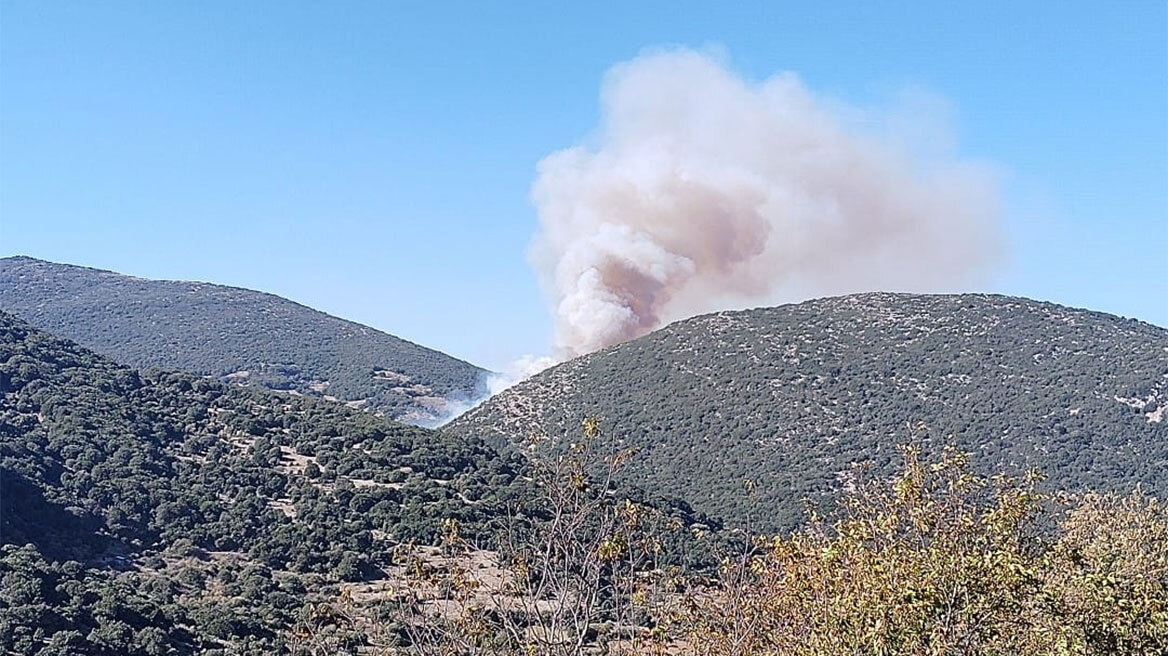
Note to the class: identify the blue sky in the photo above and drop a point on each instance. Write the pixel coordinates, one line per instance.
(374, 159)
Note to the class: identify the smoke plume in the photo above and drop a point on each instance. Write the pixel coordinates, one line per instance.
(703, 191)
(491, 384)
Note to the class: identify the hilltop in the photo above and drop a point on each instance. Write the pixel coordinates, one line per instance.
(237, 335)
(792, 397)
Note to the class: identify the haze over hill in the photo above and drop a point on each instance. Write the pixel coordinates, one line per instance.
(240, 336)
(792, 396)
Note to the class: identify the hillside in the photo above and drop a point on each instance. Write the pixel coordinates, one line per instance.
(238, 335)
(792, 396)
(203, 511)
(168, 513)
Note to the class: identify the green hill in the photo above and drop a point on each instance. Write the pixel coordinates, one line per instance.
(168, 513)
(168, 509)
(792, 396)
(238, 335)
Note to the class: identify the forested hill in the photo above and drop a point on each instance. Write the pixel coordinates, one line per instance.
(238, 335)
(226, 508)
(792, 396)
(166, 513)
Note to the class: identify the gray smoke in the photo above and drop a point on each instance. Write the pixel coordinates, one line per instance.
(704, 191)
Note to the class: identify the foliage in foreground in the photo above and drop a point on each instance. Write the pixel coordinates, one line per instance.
(585, 577)
(945, 562)
(937, 561)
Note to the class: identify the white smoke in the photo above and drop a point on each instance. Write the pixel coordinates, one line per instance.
(517, 371)
(706, 191)
(494, 382)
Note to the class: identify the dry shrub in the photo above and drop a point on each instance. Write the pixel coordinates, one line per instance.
(941, 561)
(1108, 574)
(580, 570)
(937, 561)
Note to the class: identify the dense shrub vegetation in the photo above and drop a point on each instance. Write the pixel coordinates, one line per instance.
(792, 396)
(936, 561)
(166, 513)
(101, 465)
(944, 562)
(219, 331)
(165, 508)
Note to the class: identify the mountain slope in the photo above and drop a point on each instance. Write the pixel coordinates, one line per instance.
(168, 513)
(792, 396)
(238, 335)
(172, 512)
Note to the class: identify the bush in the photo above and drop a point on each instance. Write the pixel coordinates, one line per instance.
(944, 562)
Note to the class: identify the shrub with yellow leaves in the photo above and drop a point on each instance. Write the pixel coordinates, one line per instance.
(578, 570)
(937, 561)
(944, 562)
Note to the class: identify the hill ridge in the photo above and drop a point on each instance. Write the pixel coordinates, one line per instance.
(237, 334)
(798, 393)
